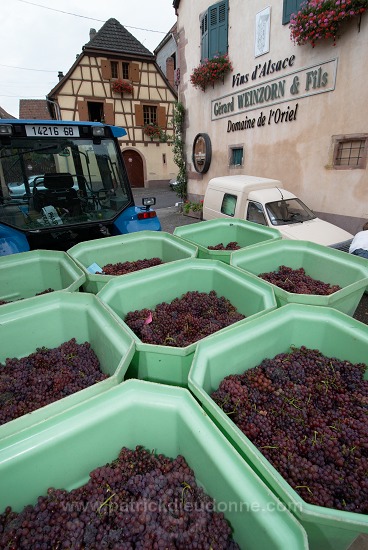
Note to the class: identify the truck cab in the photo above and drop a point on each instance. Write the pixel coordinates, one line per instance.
(266, 202)
(63, 182)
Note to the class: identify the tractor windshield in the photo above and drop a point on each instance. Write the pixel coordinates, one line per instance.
(61, 178)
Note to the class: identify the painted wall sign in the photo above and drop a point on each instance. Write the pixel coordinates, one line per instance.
(272, 116)
(263, 69)
(316, 79)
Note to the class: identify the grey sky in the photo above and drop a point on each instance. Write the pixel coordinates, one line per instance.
(42, 35)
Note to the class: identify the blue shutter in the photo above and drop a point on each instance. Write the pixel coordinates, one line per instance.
(204, 36)
(290, 7)
(217, 28)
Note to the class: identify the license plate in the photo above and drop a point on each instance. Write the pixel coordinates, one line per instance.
(38, 130)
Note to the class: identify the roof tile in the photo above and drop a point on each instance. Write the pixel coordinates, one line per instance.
(114, 37)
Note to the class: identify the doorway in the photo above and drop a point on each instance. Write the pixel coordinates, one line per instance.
(134, 167)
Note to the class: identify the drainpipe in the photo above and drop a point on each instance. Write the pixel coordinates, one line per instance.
(57, 108)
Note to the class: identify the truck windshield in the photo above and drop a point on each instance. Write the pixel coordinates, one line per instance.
(61, 180)
(288, 211)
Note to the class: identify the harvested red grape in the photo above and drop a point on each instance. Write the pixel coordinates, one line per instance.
(128, 267)
(307, 413)
(46, 291)
(3, 302)
(45, 376)
(297, 281)
(183, 321)
(233, 245)
(140, 500)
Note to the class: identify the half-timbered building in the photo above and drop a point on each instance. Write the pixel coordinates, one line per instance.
(117, 80)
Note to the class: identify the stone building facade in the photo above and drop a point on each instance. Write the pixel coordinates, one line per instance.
(296, 113)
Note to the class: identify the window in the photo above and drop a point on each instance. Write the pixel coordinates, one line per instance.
(236, 156)
(95, 111)
(213, 27)
(228, 205)
(114, 69)
(125, 70)
(255, 213)
(149, 114)
(350, 151)
(290, 7)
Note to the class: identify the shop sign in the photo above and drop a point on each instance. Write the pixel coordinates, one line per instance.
(312, 80)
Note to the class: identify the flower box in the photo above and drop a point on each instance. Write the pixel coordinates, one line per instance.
(321, 19)
(211, 71)
(122, 86)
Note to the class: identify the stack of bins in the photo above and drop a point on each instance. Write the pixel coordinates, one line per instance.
(147, 288)
(127, 248)
(213, 232)
(49, 321)
(63, 451)
(294, 325)
(319, 262)
(29, 273)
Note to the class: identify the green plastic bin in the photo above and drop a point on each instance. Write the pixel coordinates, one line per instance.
(127, 248)
(148, 288)
(330, 331)
(213, 232)
(320, 262)
(52, 319)
(65, 449)
(26, 274)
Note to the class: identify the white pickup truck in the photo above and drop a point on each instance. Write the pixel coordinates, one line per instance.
(264, 201)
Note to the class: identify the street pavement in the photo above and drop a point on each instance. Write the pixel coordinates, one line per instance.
(170, 217)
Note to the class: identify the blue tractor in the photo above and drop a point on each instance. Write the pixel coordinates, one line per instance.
(62, 183)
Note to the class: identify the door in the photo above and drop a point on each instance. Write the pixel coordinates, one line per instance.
(134, 167)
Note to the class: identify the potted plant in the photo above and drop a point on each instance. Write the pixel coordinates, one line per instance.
(193, 209)
(152, 131)
(321, 19)
(211, 71)
(122, 86)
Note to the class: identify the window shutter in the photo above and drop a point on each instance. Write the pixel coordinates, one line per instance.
(217, 33)
(134, 72)
(290, 7)
(161, 117)
(105, 69)
(204, 36)
(138, 115)
(109, 114)
(82, 110)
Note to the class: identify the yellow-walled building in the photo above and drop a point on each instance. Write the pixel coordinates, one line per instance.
(117, 80)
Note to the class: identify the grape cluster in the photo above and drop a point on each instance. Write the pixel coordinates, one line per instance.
(139, 501)
(307, 414)
(233, 245)
(45, 376)
(121, 268)
(184, 320)
(297, 281)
